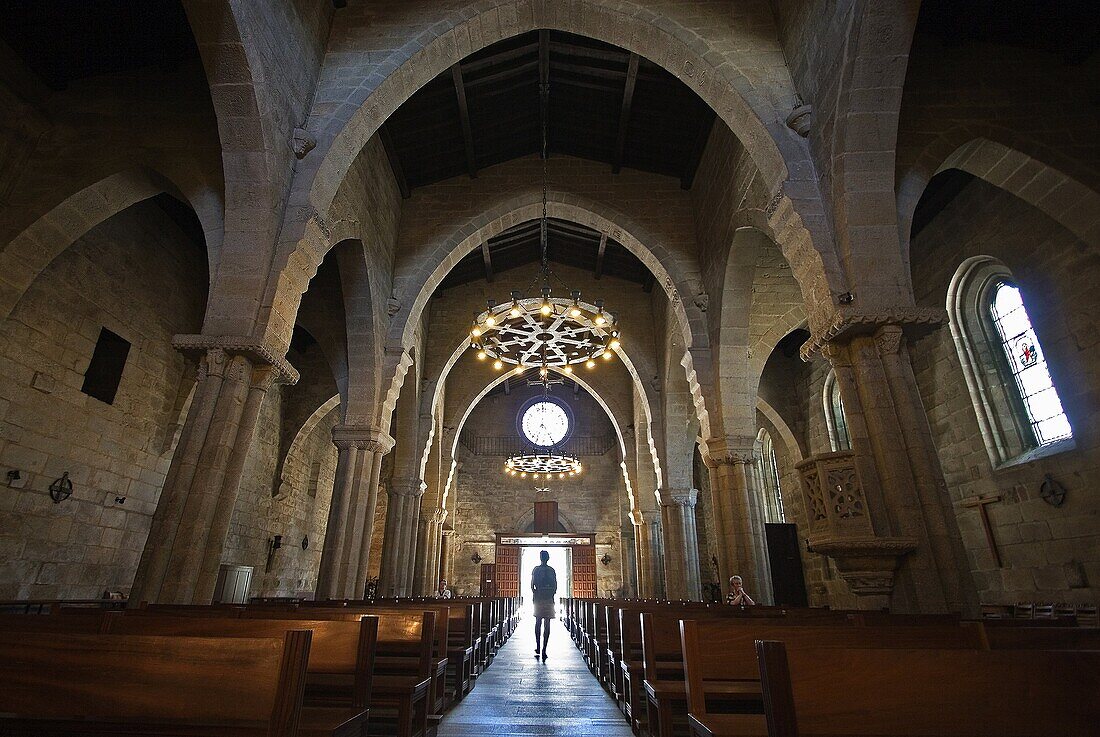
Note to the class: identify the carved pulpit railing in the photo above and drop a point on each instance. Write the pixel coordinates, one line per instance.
(840, 527)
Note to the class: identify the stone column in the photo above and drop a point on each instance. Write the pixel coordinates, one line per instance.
(346, 554)
(411, 528)
(900, 468)
(402, 510)
(446, 555)
(682, 579)
(183, 551)
(740, 545)
(428, 552)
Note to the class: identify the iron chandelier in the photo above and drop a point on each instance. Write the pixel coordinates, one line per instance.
(544, 331)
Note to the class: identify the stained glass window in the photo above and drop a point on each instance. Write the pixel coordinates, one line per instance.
(1028, 365)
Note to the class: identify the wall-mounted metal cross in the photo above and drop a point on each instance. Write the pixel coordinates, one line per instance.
(981, 502)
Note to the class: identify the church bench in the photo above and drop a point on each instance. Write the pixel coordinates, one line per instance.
(86, 624)
(403, 674)
(440, 637)
(927, 692)
(77, 684)
(720, 660)
(341, 656)
(1043, 638)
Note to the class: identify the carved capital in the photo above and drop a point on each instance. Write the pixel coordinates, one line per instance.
(406, 486)
(256, 351)
(360, 437)
(302, 142)
(683, 498)
(728, 451)
(888, 340)
(846, 323)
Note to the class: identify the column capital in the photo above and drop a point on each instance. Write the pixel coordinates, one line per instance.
(685, 498)
(255, 350)
(726, 451)
(407, 486)
(846, 324)
(362, 437)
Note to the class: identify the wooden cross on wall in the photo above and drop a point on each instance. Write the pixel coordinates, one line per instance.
(981, 502)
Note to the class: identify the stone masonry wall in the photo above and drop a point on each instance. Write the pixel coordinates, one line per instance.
(1049, 553)
(489, 502)
(137, 275)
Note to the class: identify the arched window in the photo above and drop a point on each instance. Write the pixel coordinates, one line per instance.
(1017, 405)
(834, 415)
(773, 492)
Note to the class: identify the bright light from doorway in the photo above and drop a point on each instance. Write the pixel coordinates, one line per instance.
(560, 561)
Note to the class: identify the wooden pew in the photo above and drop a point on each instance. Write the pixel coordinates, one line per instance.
(930, 693)
(72, 684)
(401, 685)
(341, 657)
(1043, 638)
(720, 663)
(89, 624)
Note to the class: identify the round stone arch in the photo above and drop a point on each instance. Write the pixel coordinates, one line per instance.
(1004, 165)
(35, 247)
(304, 431)
(644, 389)
(714, 75)
(618, 418)
(528, 206)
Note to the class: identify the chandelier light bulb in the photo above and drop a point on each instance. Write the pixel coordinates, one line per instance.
(543, 372)
(608, 355)
(481, 355)
(515, 311)
(476, 332)
(600, 319)
(523, 475)
(498, 365)
(568, 369)
(490, 321)
(614, 343)
(590, 364)
(546, 309)
(575, 311)
(561, 475)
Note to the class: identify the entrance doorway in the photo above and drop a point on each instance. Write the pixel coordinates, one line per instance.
(561, 560)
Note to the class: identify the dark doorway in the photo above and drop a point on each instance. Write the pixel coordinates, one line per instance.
(788, 585)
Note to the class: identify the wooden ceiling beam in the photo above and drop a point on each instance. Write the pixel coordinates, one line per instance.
(544, 89)
(489, 61)
(600, 254)
(395, 162)
(487, 260)
(492, 79)
(464, 118)
(624, 114)
(569, 49)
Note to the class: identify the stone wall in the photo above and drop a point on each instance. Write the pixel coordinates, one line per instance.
(488, 502)
(1048, 553)
(139, 276)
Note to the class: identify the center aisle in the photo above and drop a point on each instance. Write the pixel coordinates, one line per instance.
(522, 695)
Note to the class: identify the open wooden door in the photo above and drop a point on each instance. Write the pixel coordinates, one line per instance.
(508, 570)
(488, 579)
(584, 571)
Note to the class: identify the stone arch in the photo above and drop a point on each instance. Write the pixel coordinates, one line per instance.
(644, 389)
(226, 38)
(32, 250)
(619, 419)
(794, 447)
(864, 140)
(1004, 165)
(713, 74)
(527, 206)
(299, 437)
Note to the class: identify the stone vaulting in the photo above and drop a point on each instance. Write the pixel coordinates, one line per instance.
(242, 245)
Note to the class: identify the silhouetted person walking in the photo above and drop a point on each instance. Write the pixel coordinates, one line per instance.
(544, 584)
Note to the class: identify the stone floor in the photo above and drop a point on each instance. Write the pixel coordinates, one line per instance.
(522, 695)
